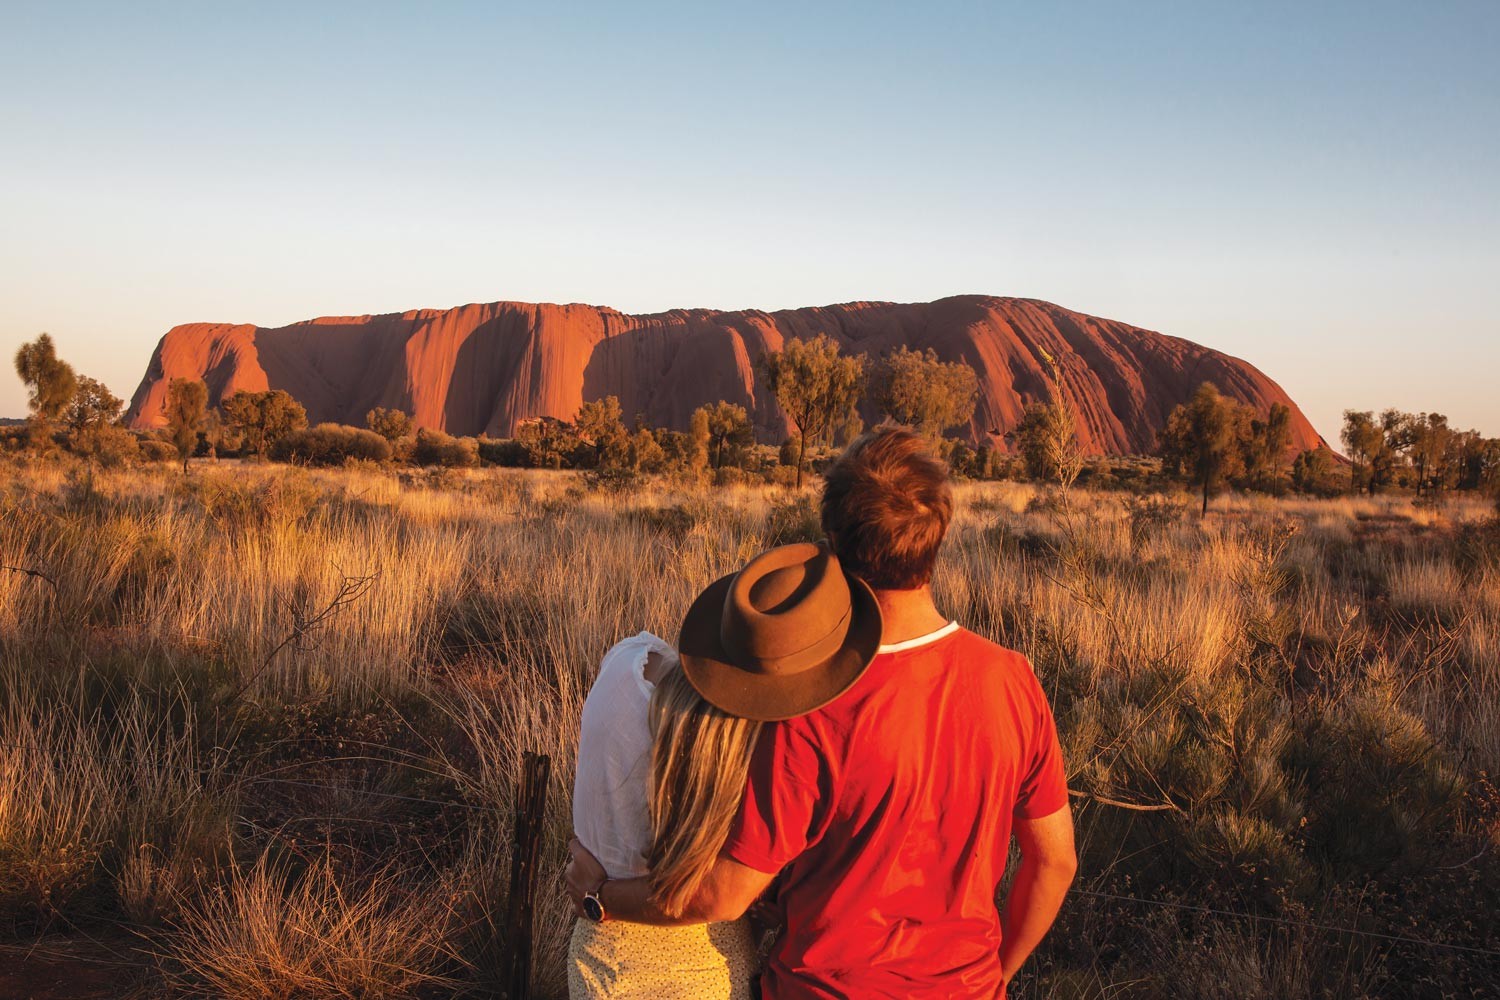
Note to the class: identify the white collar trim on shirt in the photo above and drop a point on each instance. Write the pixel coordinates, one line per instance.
(921, 640)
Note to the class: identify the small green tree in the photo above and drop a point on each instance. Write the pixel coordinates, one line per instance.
(817, 387)
(1034, 438)
(1315, 472)
(1429, 443)
(241, 418)
(599, 426)
(391, 424)
(729, 432)
(1391, 460)
(281, 415)
(1476, 461)
(49, 380)
(699, 436)
(90, 414)
(1047, 435)
(187, 405)
(262, 419)
(1204, 437)
(644, 453)
(1365, 441)
(1266, 448)
(916, 389)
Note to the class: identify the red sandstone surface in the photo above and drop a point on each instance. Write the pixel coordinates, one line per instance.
(483, 368)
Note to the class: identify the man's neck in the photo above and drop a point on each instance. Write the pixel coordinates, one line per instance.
(907, 614)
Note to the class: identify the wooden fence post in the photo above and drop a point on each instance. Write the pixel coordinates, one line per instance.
(531, 814)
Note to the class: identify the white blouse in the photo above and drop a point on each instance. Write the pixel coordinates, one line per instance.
(610, 814)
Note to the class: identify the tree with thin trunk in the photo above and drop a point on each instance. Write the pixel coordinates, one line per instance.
(916, 389)
(728, 430)
(50, 382)
(1364, 441)
(1431, 441)
(187, 406)
(1396, 432)
(1266, 448)
(1204, 437)
(818, 388)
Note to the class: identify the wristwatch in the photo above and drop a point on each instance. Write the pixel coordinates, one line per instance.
(593, 906)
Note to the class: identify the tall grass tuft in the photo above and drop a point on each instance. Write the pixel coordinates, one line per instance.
(1284, 712)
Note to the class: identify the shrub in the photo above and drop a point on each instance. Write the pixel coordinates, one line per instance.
(154, 449)
(393, 425)
(781, 475)
(113, 447)
(332, 444)
(436, 448)
(506, 452)
(793, 518)
(611, 482)
(787, 453)
(1151, 515)
(675, 522)
(1316, 472)
(730, 476)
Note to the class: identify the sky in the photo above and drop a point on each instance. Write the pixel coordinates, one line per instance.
(1314, 188)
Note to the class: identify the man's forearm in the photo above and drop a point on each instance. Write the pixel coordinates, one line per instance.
(630, 900)
(1035, 897)
(725, 893)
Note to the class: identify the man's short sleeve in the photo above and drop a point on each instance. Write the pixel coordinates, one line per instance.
(781, 804)
(1044, 786)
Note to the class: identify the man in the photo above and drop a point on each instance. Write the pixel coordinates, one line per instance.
(889, 810)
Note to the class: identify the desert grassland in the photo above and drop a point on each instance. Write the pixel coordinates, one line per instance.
(270, 720)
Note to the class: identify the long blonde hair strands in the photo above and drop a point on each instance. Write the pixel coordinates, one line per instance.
(700, 760)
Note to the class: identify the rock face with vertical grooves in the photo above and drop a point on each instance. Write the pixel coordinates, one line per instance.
(481, 369)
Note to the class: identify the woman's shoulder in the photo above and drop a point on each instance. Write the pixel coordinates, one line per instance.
(628, 660)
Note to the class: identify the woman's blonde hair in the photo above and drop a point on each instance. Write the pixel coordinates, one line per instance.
(700, 760)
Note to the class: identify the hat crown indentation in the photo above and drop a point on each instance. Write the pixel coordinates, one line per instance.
(785, 609)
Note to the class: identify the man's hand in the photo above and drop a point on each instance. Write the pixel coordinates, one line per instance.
(584, 874)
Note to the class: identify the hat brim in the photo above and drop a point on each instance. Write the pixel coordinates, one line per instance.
(767, 697)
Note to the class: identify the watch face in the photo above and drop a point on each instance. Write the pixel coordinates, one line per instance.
(593, 909)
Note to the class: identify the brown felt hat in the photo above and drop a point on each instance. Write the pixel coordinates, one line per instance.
(784, 636)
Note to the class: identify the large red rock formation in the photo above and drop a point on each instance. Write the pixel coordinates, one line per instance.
(483, 368)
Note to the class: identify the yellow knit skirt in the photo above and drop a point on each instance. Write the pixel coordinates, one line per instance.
(619, 961)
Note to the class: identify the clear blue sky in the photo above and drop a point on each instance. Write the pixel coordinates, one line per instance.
(1313, 187)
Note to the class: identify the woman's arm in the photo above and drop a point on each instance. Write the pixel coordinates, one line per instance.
(725, 894)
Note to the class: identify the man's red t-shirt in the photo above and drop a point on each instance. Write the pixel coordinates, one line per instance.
(890, 811)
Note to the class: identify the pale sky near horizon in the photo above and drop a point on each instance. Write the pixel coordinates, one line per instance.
(1313, 188)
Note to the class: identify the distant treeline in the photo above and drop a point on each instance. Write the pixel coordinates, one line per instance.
(1209, 442)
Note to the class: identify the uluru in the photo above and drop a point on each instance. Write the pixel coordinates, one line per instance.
(485, 368)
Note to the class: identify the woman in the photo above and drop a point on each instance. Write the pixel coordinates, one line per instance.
(664, 756)
(660, 776)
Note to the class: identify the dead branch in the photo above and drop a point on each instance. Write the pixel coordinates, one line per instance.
(1132, 806)
(351, 589)
(31, 572)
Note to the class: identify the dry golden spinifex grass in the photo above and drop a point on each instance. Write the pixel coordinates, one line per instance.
(1287, 709)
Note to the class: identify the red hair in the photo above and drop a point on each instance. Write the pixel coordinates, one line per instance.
(886, 507)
